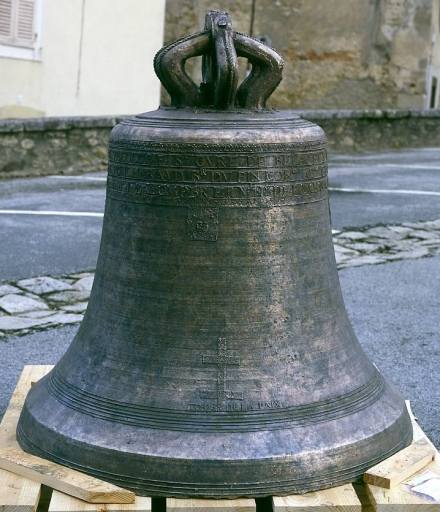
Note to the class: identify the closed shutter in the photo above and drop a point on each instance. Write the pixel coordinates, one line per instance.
(17, 22)
(5, 20)
(24, 23)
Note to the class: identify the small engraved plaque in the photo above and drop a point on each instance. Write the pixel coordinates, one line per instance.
(202, 224)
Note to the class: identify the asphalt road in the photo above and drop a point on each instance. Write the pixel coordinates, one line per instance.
(395, 308)
(401, 186)
(38, 244)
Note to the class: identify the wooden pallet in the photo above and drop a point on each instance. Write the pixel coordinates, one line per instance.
(29, 484)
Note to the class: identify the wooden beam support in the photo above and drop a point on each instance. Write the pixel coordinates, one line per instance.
(200, 505)
(400, 498)
(18, 494)
(61, 502)
(41, 471)
(10, 419)
(63, 479)
(397, 468)
(337, 499)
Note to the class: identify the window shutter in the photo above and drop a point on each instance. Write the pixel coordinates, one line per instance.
(24, 29)
(5, 20)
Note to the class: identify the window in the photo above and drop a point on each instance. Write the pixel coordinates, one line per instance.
(17, 22)
(18, 28)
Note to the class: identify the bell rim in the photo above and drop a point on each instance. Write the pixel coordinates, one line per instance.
(325, 480)
(252, 477)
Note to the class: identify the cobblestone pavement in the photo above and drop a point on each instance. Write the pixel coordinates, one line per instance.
(42, 302)
(382, 244)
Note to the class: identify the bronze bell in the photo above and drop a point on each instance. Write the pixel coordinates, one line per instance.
(216, 358)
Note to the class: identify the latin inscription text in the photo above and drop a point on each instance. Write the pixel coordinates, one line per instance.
(227, 195)
(217, 161)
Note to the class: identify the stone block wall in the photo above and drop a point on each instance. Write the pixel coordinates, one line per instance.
(377, 130)
(57, 145)
(345, 54)
(71, 145)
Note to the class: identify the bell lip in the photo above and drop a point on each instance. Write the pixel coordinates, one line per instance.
(258, 489)
(253, 477)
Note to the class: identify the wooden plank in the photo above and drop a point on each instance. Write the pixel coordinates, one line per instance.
(18, 494)
(363, 496)
(62, 479)
(45, 472)
(61, 502)
(417, 430)
(400, 499)
(401, 465)
(194, 505)
(337, 499)
(10, 419)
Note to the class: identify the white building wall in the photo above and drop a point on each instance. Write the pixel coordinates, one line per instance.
(95, 59)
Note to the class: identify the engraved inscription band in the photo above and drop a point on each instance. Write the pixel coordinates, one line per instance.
(216, 157)
(223, 175)
(249, 195)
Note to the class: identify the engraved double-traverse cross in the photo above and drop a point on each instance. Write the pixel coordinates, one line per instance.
(222, 359)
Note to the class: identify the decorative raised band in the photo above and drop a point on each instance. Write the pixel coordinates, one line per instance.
(171, 419)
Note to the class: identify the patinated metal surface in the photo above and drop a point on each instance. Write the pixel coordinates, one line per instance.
(216, 358)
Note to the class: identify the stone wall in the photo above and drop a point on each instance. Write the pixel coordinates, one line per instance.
(338, 53)
(376, 130)
(57, 145)
(69, 145)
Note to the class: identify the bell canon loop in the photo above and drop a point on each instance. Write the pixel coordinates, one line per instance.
(216, 358)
